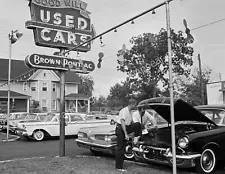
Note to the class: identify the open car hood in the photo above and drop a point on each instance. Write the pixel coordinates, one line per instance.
(182, 110)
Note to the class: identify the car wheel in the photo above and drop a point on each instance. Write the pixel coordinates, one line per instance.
(38, 135)
(207, 162)
(129, 154)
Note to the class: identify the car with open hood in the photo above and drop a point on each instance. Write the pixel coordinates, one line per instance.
(200, 142)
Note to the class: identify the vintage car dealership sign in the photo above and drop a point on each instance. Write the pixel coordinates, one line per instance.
(59, 63)
(61, 24)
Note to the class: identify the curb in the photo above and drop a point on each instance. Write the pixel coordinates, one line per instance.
(15, 138)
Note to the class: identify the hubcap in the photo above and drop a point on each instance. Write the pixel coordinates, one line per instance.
(207, 161)
(39, 135)
(128, 152)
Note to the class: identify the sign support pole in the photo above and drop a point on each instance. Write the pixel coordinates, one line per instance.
(9, 81)
(171, 87)
(62, 110)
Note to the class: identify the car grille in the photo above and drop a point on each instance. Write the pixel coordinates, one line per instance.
(156, 154)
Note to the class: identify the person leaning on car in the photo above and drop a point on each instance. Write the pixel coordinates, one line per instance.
(124, 127)
(142, 116)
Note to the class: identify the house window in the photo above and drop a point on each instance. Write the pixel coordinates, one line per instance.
(53, 104)
(33, 86)
(54, 87)
(25, 86)
(44, 104)
(44, 87)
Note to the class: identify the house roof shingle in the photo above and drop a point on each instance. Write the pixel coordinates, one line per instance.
(19, 69)
(16, 95)
(74, 96)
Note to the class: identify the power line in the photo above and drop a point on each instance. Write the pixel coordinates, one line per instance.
(208, 24)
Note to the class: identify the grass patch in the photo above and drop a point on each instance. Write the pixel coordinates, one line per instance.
(75, 165)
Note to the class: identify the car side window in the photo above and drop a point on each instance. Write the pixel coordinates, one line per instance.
(75, 118)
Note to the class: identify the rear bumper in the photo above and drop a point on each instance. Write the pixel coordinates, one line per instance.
(109, 148)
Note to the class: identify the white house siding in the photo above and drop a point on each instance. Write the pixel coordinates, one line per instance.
(45, 76)
(214, 93)
(71, 88)
(39, 95)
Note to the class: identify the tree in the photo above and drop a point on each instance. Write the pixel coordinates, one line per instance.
(120, 93)
(146, 62)
(190, 88)
(86, 86)
(99, 103)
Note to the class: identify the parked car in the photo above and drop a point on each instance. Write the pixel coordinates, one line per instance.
(2, 118)
(27, 117)
(50, 125)
(13, 116)
(102, 139)
(200, 142)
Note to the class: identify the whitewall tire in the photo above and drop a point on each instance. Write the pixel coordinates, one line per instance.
(38, 135)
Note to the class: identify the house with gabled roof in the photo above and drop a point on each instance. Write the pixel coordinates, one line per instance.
(41, 85)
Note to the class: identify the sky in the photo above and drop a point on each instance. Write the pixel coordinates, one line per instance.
(105, 14)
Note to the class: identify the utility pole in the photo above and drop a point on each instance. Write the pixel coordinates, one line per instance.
(201, 80)
(62, 110)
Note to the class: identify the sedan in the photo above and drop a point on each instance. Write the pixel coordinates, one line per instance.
(51, 124)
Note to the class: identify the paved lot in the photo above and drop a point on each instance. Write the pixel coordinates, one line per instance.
(26, 148)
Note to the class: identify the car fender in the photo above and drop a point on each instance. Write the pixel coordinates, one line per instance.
(216, 148)
(44, 130)
(211, 144)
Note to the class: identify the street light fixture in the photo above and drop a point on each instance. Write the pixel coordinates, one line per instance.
(13, 37)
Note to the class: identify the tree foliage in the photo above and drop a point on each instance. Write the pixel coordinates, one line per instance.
(86, 86)
(146, 63)
(119, 94)
(190, 88)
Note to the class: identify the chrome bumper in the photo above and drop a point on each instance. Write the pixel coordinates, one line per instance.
(22, 133)
(185, 160)
(95, 144)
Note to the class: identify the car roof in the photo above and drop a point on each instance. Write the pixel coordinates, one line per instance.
(215, 106)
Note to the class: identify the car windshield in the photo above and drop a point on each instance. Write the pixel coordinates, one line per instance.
(159, 119)
(216, 115)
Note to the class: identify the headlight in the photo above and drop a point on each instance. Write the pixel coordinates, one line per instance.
(81, 135)
(110, 138)
(183, 142)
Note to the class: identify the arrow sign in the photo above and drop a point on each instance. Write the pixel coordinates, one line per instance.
(59, 63)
